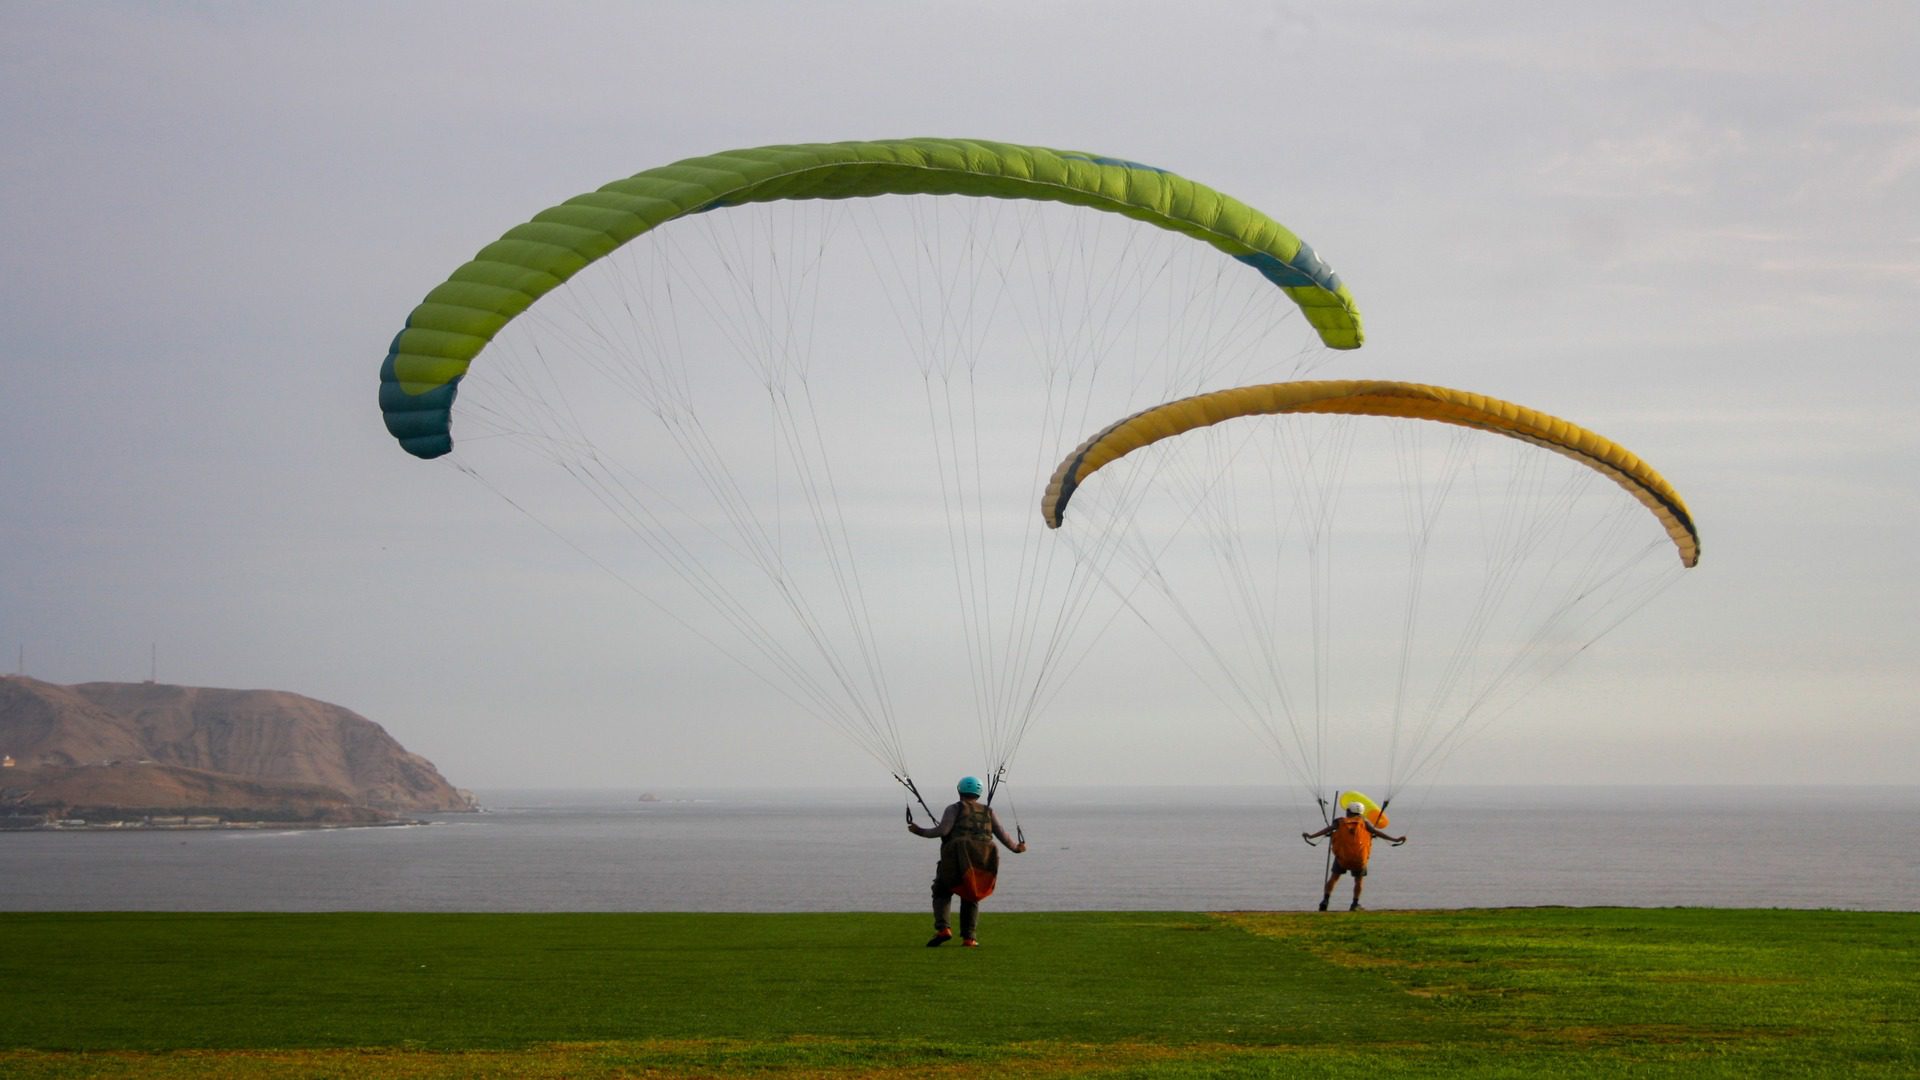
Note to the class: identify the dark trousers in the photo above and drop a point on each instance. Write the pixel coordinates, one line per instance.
(943, 900)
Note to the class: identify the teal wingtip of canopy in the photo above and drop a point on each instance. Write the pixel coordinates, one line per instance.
(423, 423)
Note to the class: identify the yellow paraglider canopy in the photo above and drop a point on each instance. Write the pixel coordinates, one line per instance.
(1365, 397)
(1373, 812)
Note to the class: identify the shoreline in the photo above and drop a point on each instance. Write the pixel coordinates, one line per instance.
(200, 826)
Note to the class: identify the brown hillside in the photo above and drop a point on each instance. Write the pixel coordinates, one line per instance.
(263, 735)
(43, 722)
(126, 788)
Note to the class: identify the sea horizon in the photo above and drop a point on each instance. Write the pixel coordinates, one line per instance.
(1158, 847)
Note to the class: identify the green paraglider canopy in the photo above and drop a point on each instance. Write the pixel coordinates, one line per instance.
(456, 320)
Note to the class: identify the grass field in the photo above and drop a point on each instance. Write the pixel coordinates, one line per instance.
(1525, 992)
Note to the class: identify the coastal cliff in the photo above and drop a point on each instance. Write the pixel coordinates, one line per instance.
(236, 754)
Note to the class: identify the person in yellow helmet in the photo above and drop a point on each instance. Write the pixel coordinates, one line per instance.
(969, 863)
(1352, 844)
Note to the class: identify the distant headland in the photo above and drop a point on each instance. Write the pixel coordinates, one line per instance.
(154, 756)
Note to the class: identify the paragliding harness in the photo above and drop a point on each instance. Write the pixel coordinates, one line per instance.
(1326, 818)
(969, 861)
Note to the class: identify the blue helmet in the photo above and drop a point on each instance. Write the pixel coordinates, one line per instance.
(971, 785)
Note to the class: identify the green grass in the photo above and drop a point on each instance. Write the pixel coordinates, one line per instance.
(1530, 992)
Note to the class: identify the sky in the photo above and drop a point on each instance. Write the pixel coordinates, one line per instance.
(1695, 226)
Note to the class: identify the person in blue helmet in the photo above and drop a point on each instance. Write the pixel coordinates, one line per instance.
(969, 861)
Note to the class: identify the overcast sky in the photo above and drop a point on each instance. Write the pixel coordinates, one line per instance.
(1695, 226)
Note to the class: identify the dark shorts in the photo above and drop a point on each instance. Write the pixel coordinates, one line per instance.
(1342, 868)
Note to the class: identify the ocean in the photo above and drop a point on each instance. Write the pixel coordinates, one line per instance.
(1090, 849)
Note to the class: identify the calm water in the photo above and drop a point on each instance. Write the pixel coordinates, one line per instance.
(1189, 849)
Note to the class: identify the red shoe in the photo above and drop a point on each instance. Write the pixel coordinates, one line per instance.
(940, 937)
(969, 943)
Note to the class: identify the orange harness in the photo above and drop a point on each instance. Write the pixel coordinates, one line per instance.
(1352, 843)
